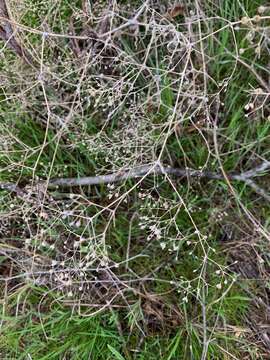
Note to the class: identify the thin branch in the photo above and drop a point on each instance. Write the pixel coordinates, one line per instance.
(157, 169)
(258, 189)
(258, 170)
(134, 173)
(12, 188)
(153, 169)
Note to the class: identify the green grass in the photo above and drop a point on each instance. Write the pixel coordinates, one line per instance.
(58, 332)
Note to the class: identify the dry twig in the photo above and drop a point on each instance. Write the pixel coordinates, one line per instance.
(7, 34)
(155, 169)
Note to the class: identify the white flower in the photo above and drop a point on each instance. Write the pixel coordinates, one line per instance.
(67, 213)
(67, 283)
(78, 223)
(219, 286)
(157, 232)
(245, 20)
(162, 245)
(175, 247)
(166, 205)
(262, 9)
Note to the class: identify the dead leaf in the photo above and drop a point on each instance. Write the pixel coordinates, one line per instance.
(175, 11)
(239, 331)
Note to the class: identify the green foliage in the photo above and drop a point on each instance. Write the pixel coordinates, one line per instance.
(150, 255)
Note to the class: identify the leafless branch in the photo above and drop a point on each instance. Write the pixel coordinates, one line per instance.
(154, 169)
(258, 189)
(157, 169)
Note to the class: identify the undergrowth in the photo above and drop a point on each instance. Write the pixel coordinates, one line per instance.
(151, 267)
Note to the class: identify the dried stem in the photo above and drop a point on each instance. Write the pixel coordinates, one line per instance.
(7, 34)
